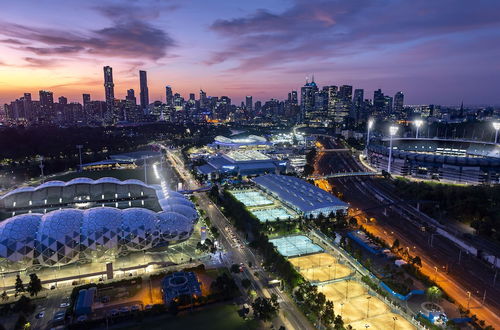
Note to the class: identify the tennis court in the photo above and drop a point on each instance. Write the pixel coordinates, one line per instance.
(351, 300)
(320, 267)
(251, 198)
(290, 246)
(273, 214)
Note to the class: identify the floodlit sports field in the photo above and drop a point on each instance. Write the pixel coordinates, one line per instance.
(251, 198)
(320, 267)
(350, 298)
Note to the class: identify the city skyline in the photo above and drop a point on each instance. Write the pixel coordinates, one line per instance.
(426, 49)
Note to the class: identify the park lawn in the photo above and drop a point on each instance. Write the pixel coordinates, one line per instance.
(211, 318)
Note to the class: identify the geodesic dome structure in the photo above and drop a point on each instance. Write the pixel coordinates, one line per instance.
(17, 240)
(64, 236)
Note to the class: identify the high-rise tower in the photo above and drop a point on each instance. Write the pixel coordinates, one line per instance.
(109, 88)
(144, 89)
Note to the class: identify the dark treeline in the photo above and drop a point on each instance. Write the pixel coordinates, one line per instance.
(477, 205)
(21, 147)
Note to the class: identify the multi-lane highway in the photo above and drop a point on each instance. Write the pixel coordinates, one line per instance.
(457, 272)
(238, 252)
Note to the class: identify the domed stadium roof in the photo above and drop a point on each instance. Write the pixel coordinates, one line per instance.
(58, 237)
(188, 212)
(66, 235)
(171, 193)
(167, 202)
(76, 181)
(138, 228)
(173, 225)
(18, 235)
(101, 229)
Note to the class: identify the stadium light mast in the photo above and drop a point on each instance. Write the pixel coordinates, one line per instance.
(369, 127)
(79, 147)
(392, 131)
(418, 123)
(496, 126)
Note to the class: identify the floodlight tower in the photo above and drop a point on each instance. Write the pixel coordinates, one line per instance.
(417, 124)
(79, 147)
(496, 126)
(392, 131)
(369, 127)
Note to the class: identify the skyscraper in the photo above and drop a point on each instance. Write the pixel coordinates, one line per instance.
(169, 97)
(203, 99)
(399, 102)
(345, 93)
(109, 89)
(249, 103)
(378, 101)
(144, 89)
(46, 106)
(86, 99)
(307, 95)
(358, 97)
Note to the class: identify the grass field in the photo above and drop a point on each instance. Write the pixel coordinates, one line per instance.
(320, 267)
(211, 318)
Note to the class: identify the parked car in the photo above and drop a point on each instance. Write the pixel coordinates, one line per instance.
(40, 315)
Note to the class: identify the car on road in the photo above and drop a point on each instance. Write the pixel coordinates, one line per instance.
(64, 305)
(123, 310)
(148, 307)
(135, 308)
(40, 315)
(59, 316)
(82, 318)
(114, 312)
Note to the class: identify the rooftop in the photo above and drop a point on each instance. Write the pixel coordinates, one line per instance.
(298, 192)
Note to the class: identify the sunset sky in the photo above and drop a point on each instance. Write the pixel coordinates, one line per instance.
(435, 51)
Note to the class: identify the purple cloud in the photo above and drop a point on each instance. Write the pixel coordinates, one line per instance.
(125, 38)
(321, 30)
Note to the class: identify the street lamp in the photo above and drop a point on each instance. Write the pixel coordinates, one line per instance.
(468, 299)
(79, 147)
(496, 126)
(41, 167)
(369, 127)
(417, 124)
(392, 132)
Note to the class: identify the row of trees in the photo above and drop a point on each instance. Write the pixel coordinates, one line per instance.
(33, 288)
(316, 303)
(477, 205)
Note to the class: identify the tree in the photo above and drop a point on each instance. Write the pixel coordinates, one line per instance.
(338, 323)
(19, 286)
(434, 294)
(417, 261)
(35, 285)
(395, 245)
(21, 322)
(246, 283)
(265, 309)
(235, 268)
(328, 315)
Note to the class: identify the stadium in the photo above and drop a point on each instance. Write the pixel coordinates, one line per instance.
(457, 161)
(59, 223)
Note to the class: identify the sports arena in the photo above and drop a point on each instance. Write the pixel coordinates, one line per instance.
(457, 161)
(85, 220)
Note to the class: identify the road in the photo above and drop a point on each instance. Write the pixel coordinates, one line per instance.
(457, 273)
(289, 315)
(49, 306)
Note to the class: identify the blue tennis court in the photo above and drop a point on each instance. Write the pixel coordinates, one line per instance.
(290, 246)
